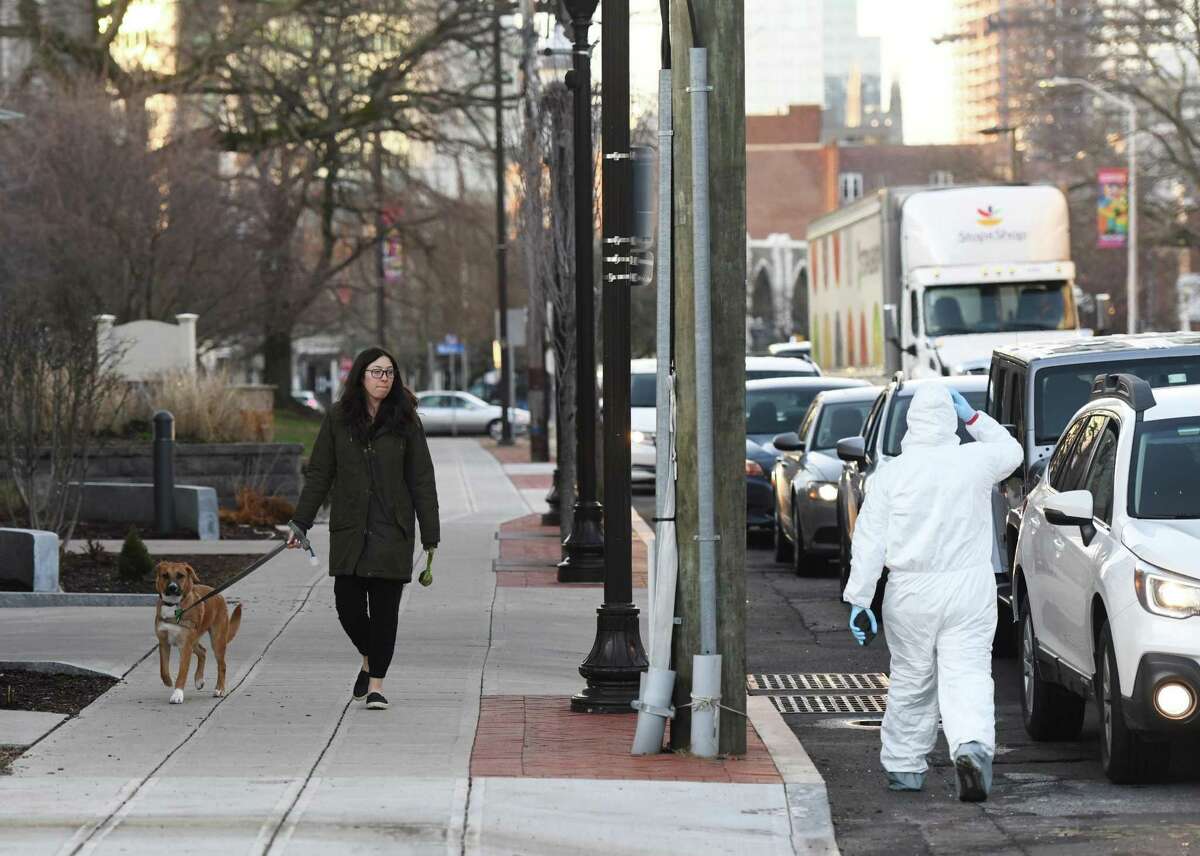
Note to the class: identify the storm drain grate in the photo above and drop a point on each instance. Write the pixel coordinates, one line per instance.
(830, 704)
(817, 682)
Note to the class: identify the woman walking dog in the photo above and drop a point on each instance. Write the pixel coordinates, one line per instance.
(372, 459)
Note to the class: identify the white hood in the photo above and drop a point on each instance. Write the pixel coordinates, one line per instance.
(962, 353)
(931, 419)
(1172, 545)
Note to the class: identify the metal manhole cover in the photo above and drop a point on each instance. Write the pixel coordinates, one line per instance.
(830, 704)
(817, 682)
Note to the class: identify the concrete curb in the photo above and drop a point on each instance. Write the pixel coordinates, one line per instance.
(807, 798)
(25, 599)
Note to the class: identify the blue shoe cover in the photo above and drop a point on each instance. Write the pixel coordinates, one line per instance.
(974, 768)
(905, 781)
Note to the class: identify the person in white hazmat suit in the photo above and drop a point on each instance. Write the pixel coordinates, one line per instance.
(928, 519)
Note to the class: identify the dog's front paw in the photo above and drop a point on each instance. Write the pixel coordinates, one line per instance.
(177, 697)
(199, 683)
(218, 693)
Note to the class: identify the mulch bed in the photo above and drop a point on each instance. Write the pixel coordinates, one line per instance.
(83, 573)
(46, 693)
(118, 531)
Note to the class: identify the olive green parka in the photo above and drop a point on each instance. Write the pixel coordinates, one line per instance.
(339, 469)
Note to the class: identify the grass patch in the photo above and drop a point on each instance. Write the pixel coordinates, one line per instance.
(292, 426)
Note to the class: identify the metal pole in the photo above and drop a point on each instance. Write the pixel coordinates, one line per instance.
(1131, 272)
(164, 472)
(380, 226)
(584, 547)
(617, 659)
(501, 235)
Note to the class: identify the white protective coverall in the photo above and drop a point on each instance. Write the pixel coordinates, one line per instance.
(928, 518)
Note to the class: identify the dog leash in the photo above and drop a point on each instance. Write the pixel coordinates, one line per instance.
(254, 566)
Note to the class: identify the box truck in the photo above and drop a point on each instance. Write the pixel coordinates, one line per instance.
(929, 280)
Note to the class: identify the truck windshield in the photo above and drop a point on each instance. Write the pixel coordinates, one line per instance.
(998, 308)
(1062, 390)
(1163, 483)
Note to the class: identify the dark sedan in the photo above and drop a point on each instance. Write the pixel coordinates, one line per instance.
(775, 406)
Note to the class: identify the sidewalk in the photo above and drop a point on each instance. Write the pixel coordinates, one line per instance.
(478, 754)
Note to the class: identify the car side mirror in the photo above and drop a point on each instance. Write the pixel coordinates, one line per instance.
(911, 350)
(1036, 470)
(788, 442)
(852, 449)
(1073, 508)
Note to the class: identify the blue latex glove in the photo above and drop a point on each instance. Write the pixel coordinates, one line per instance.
(856, 611)
(964, 410)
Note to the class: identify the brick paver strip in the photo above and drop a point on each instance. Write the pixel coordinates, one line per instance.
(540, 737)
(517, 453)
(531, 482)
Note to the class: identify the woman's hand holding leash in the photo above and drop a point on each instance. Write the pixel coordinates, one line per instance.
(297, 537)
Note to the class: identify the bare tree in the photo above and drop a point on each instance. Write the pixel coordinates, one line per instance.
(55, 381)
(140, 232)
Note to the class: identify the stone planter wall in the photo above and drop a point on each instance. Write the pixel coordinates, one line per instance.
(273, 468)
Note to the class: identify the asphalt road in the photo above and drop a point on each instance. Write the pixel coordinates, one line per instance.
(1048, 798)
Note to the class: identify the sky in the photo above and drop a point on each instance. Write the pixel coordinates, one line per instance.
(906, 30)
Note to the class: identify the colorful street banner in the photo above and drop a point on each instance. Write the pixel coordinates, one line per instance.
(1112, 208)
(393, 259)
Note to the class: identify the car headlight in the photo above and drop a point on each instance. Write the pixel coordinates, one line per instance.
(823, 491)
(753, 468)
(1168, 596)
(646, 437)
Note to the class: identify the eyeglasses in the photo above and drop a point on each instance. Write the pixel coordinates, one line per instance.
(380, 374)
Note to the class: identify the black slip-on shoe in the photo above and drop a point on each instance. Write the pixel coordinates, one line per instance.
(376, 701)
(360, 686)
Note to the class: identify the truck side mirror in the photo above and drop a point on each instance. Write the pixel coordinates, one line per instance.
(891, 328)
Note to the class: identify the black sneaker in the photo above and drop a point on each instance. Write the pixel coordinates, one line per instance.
(360, 686)
(376, 701)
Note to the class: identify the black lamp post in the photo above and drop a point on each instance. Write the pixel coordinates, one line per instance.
(584, 547)
(617, 657)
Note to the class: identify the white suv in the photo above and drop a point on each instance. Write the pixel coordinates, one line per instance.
(1107, 577)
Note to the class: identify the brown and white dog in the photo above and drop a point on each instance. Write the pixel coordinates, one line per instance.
(178, 588)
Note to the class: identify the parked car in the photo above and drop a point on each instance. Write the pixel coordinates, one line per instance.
(882, 434)
(307, 398)
(1036, 389)
(643, 424)
(799, 350)
(806, 474)
(643, 407)
(455, 412)
(775, 406)
(760, 368)
(1107, 577)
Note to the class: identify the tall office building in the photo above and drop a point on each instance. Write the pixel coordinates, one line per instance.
(1003, 47)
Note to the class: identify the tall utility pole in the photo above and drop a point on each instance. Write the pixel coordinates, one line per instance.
(381, 226)
(506, 438)
(616, 660)
(719, 28)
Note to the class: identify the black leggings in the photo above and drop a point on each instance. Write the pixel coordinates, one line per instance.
(373, 632)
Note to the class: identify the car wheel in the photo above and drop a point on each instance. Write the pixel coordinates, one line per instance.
(783, 547)
(495, 429)
(1049, 711)
(843, 551)
(803, 564)
(1126, 756)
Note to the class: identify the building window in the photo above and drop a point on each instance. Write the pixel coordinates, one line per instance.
(850, 186)
(941, 178)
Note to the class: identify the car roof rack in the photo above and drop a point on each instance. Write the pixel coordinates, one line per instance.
(1130, 388)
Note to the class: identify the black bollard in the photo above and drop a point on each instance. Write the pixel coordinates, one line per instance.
(164, 472)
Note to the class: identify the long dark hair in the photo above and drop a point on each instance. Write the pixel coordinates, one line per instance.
(396, 411)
